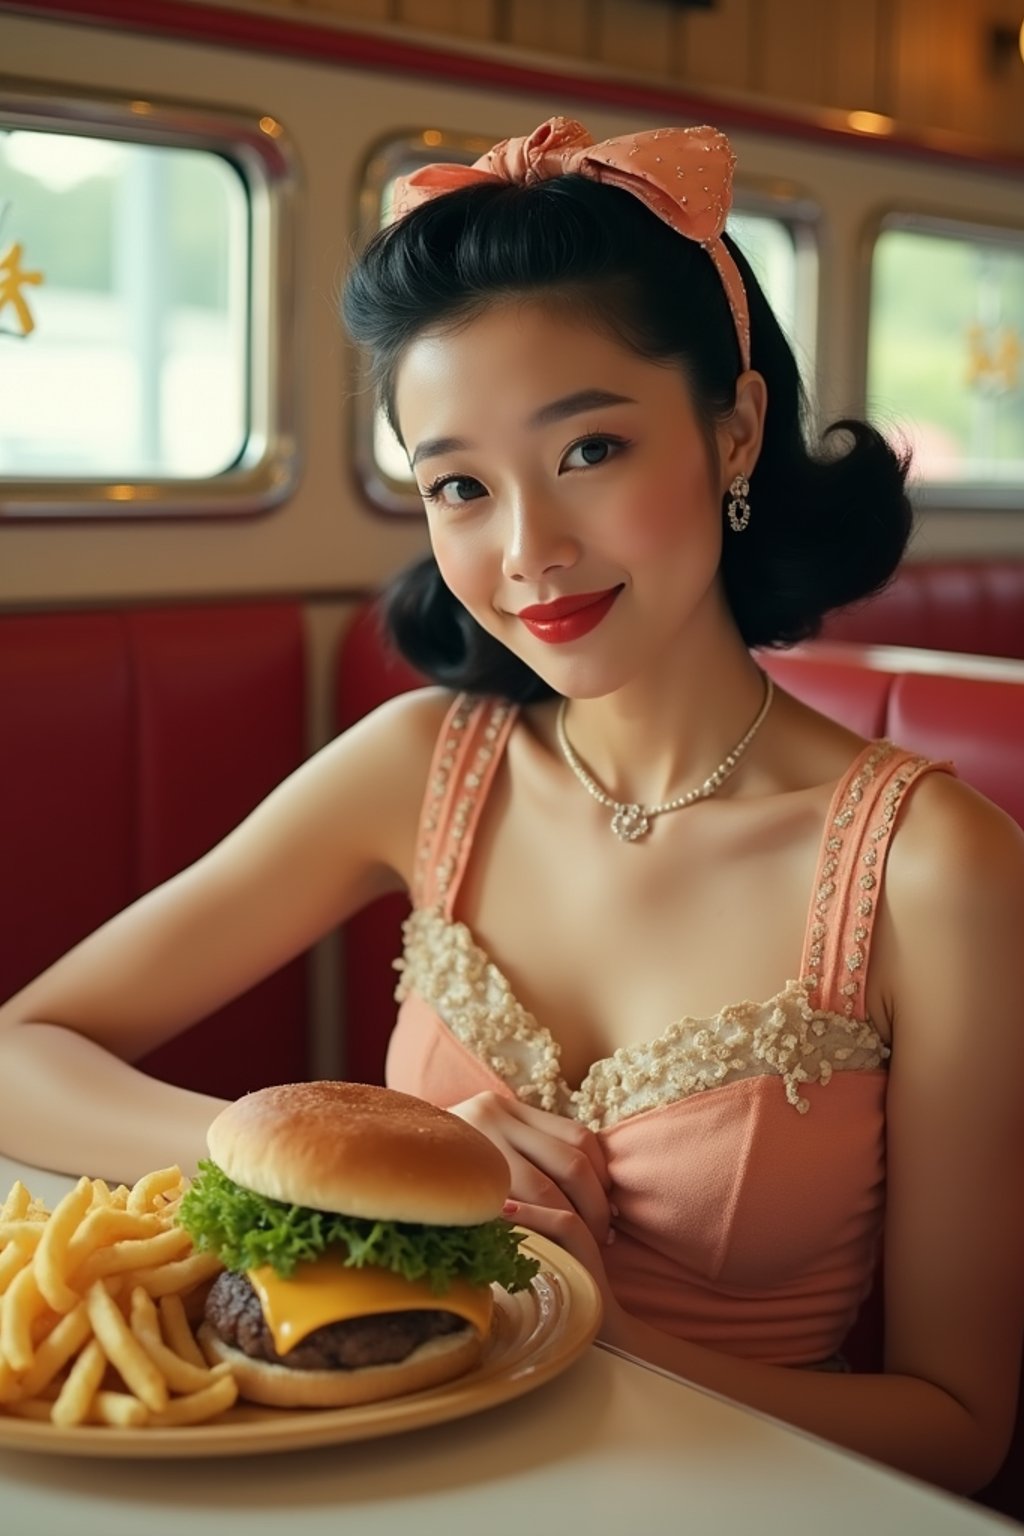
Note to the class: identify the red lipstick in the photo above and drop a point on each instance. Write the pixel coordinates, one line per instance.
(568, 618)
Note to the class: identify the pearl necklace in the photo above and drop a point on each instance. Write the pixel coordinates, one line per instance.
(631, 821)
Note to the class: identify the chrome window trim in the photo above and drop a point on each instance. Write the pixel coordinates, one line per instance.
(382, 493)
(257, 146)
(783, 200)
(932, 495)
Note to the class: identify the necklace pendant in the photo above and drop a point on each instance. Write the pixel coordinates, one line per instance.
(630, 823)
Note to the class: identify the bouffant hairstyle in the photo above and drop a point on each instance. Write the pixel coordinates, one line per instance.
(829, 524)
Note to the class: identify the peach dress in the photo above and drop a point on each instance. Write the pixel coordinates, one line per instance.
(746, 1151)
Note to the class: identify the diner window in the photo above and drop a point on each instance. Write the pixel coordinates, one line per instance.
(770, 246)
(136, 363)
(946, 353)
(132, 353)
(774, 233)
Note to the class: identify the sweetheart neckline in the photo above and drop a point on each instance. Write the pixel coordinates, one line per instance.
(535, 1031)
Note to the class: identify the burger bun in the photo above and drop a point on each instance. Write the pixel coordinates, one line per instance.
(433, 1363)
(360, 1151)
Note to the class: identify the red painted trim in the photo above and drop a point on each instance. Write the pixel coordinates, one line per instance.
(305, 39)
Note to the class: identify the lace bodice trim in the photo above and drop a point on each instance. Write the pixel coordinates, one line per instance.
(784, 1036)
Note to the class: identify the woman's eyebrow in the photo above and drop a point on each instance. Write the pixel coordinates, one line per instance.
(432, 446)
(572, 405)
(555, 410)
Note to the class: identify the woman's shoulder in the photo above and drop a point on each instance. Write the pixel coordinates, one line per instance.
(382, 761)
(395, 742)
(954, 888)
(953, 839)
(365, 788)
(393, 746)
(414, 718)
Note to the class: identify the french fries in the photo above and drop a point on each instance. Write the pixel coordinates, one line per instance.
(94, 1309)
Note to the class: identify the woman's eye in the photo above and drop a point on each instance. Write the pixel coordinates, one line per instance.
(592, 451)
(464, 487)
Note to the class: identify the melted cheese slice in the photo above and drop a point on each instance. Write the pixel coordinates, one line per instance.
(326, 1292)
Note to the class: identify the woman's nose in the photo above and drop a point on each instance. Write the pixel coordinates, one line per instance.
(537, 543)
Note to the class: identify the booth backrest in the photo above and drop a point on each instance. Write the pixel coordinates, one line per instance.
(969, 709)
(945, 706)
(131, 742)
(975, 606)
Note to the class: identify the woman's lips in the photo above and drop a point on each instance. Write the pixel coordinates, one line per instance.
(569, 618)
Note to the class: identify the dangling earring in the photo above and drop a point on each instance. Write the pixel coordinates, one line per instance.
(739, 506)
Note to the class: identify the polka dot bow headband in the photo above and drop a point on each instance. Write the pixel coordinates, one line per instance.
(683, 175)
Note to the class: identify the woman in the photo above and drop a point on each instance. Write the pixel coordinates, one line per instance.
(617, 823)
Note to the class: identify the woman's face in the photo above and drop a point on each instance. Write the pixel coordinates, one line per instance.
(557, 465)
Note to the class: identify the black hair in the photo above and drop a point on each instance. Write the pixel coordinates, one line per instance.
(826, 527)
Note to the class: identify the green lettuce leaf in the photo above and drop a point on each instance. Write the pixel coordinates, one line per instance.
(247, 1230)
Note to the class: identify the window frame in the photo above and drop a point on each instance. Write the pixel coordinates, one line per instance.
(934, 495)
(258, 149)
(774, 198)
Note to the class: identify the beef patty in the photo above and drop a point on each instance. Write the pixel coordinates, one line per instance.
(233, 1310)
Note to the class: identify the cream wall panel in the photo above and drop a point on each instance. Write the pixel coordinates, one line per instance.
(640, 37)
(560, 28)
(717, 46)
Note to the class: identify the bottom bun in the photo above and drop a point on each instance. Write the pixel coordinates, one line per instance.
(259, 1381)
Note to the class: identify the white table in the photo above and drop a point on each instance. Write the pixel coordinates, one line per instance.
(609, 1448)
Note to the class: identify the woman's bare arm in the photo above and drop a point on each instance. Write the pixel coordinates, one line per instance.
(337, 833)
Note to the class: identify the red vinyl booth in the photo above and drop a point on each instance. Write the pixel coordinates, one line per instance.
(975, 606)
(133, 741)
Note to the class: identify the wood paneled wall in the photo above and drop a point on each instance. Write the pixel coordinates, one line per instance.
(929, 64)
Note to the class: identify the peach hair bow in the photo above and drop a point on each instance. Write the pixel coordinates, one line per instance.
(683, 175)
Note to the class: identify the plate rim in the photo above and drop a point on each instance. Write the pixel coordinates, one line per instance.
(288, 1429)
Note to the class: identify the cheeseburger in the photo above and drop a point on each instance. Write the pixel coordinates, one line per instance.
(361, 1232)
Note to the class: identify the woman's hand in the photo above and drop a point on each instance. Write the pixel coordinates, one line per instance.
(568, 1230)
(555, 1164)
(559, 1180)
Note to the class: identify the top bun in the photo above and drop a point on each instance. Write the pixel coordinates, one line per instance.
(360, 1151)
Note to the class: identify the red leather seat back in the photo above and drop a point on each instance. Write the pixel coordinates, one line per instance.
(975, 606)
(972, 713)
(978, 722)
(133, 741)
(66, 797)
(846, 690)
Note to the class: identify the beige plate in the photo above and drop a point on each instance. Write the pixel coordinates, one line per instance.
(536, 1334)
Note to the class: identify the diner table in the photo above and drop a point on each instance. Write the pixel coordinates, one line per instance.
(609, 1446)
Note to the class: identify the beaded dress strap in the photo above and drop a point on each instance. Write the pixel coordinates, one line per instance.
(466, 757)
(858, 829)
